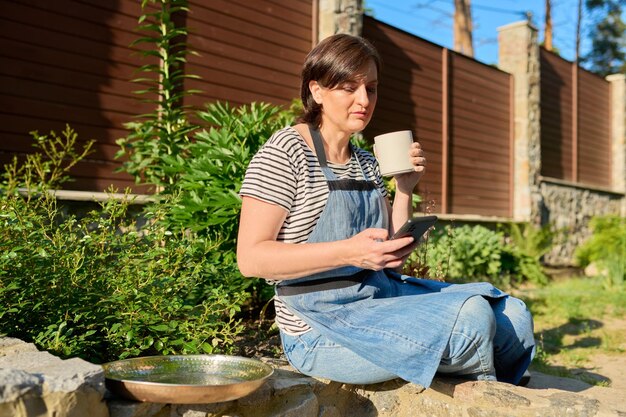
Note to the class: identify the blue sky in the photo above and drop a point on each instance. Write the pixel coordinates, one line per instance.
(432, 20)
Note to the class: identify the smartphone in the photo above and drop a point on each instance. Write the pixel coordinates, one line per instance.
(415, 227)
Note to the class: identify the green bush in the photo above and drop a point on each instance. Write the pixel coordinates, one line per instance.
(210, 176)
(466, 253)
(474, 253)
(606, 248)
(195, 172)
(206, 200)
(99, 287)
(526, 246)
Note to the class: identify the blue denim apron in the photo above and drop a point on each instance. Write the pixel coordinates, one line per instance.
(400, 323)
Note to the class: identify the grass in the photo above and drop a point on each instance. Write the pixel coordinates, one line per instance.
(576, 318)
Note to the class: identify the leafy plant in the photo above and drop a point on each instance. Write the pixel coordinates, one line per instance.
(606, 248)
(523, 254)
(531, 240)
(197, 172)
(165, 132)
(50, 166)
(475, 253)
(466, 253)
(207, 199)
(100, 287)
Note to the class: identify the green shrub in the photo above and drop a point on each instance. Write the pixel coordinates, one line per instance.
(195, 172)
(606, 248)
(99, 287)
(206, 199)
(474, 253)
(466, 254)
(531, 240)
(526, 246)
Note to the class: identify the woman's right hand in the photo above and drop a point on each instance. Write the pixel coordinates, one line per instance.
(371, 249)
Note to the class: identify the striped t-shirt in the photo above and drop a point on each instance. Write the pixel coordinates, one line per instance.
(285, 172)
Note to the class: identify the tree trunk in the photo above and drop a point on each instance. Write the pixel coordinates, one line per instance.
(463, 27)
(578, 22)
(547, 34)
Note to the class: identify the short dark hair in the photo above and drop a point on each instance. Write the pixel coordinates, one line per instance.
(334, 60)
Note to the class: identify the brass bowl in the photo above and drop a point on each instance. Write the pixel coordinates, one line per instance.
(185, 379)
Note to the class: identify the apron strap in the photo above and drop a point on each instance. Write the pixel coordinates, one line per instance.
(318, 144)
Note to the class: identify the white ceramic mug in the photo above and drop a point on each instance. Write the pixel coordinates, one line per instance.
(392, 152)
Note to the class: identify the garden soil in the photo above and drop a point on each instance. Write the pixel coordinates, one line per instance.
(608, 368)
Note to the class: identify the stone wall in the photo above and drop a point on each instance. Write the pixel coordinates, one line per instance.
(545, 201)
(519, 55)
(569, 209)
(38, 384)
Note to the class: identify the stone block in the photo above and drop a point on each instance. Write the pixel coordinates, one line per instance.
(15, 383)
(329, 411)
(122, 408)
(11, 346)
(34, 383)
(202, 410)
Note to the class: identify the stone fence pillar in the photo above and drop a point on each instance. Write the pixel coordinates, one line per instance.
(566, 206)
(618, 135)
(519, 56)
(339, 16)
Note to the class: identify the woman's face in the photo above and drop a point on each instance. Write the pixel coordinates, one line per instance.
(349, 106)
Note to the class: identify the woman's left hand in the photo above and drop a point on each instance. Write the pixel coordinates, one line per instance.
(405, 183)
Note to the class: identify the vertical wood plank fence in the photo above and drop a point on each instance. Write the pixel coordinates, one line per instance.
(575, 133)
(69, 61)
(459, 109)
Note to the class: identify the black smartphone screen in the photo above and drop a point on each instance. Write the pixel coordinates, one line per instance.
(415, 227)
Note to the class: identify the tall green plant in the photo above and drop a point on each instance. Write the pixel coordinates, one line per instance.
(606, 248)
(528, 244)
(207, 199)
(164, 132)
(197, 173)
(532, 240)
(475, 253)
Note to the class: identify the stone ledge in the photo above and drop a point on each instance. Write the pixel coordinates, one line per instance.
(290, 394)
(37, 384)
(34, 384)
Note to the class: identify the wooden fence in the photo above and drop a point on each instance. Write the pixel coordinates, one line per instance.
(459, 109)
(69, 61)
(248, 51)
(575, 132)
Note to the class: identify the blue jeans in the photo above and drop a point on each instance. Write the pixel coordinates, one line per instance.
(490, 340)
